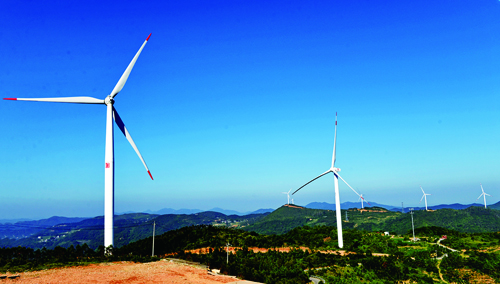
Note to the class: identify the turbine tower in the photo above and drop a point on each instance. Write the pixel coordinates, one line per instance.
(484, 195)
(424, 197)
(109, 164)
(336, 177)
(288, 195)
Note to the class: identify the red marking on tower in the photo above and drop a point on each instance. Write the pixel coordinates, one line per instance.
(108, 165)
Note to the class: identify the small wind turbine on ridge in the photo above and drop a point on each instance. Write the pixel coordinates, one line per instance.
(362, 199)
(336, 177)
(109, 162)
(288, 195)
(424, 196)
(484, 195)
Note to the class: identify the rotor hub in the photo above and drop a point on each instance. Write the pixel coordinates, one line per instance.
(109, 100)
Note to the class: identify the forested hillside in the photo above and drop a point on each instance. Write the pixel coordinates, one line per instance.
(137, 226)
(293, 257)
(286, 218)
(471, 220)
(128, 228)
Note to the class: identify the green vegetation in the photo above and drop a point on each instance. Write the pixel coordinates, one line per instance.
(470, 220)
(128, 228)
(300, 242)
(284, 219)
(368, 257)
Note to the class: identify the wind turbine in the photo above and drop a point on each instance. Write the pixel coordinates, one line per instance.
(288, 195)
(336, 177)
(362, 199)
(424, 197)
(109, 166)
(484, 195)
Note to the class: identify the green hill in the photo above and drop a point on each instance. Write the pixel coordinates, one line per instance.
(470, 220)
(495, 206)
(286, 218)
(128, 228)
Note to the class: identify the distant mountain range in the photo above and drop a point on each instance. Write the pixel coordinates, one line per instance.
(348, 205)
(62, 231)
(127, 228)
(24, 229)
(215, 209)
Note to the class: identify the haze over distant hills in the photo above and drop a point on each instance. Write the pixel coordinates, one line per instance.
(348, 205)
(60, 231)
(312, 205)
(215, 209)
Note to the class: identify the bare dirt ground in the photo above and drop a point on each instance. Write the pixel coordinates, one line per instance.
(280, 249)
(124, 272)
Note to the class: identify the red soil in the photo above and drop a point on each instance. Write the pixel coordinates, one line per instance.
(123, 272)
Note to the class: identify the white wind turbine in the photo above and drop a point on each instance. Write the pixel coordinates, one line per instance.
(424, 197)
(336, 177)
(362, 199)
(484, 195)
(109, 167)
(288, 195)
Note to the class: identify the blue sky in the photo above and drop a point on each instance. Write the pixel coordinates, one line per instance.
(233, 102)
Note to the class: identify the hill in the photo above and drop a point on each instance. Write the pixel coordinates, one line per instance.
(348, 205)
(24, 229)
(128, 228)
(495, 206)
(470, 220)
(288, 217)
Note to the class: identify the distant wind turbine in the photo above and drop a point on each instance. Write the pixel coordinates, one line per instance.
(109, 164)
(424, 197)
(336, 176)
(362, 199)
(484, 195)
(288, 195)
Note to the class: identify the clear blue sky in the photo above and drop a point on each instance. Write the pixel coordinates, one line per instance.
(233, 102)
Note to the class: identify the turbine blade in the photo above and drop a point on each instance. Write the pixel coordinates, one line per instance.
(334, 142)
(361, 197)
(347, 184)
(124, 130)
(312, 181)
(487, 194)
(75, 100)
(123, 79)
(422, 198)
(480, 196)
